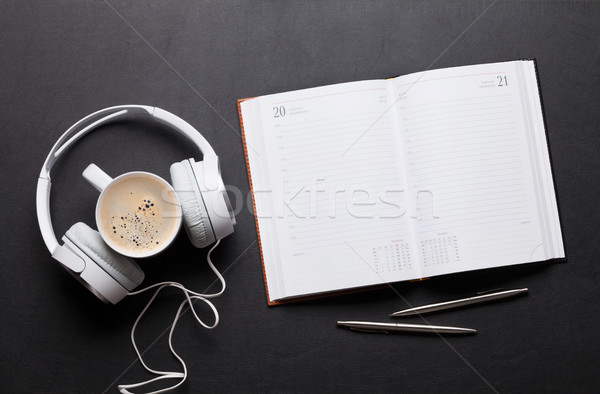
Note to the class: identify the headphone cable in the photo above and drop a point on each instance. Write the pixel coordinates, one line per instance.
(189, 296)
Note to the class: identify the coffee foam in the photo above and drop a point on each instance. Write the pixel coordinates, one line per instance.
(138, 214)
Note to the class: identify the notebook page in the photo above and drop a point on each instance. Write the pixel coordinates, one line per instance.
(328, 167)
(540, 161)
(469, 150)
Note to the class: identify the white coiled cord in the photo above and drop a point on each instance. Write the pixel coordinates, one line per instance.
(189, 296)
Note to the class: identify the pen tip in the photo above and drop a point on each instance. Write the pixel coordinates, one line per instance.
(406, 312)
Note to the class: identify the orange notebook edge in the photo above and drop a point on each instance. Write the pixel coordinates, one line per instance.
(245, 147)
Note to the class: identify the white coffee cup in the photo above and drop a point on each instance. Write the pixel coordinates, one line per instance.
(138, 213)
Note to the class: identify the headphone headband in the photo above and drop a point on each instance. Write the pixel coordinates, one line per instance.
(83, 127)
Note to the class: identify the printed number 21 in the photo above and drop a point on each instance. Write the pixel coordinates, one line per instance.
(279, 112)
(502, 81)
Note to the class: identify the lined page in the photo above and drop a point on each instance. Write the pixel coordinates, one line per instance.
(469, 151)
(327, 166)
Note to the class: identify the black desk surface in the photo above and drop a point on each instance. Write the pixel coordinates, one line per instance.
(63, 60)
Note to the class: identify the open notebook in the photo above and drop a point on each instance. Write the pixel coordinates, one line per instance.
(369, 182)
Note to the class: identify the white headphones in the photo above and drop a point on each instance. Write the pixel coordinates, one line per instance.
(207, 212)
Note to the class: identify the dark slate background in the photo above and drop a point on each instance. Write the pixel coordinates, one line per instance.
(61, 60)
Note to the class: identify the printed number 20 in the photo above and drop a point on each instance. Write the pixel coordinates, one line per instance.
(279, 112)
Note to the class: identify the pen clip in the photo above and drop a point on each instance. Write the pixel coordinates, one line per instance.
(367, 330)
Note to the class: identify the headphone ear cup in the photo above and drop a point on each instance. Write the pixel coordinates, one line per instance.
(195, 215)
(122, 269)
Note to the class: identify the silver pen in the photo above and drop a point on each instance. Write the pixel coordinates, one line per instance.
(495, 295)
(368, 326)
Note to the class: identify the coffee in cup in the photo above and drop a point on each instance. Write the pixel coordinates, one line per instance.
(137, 214)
